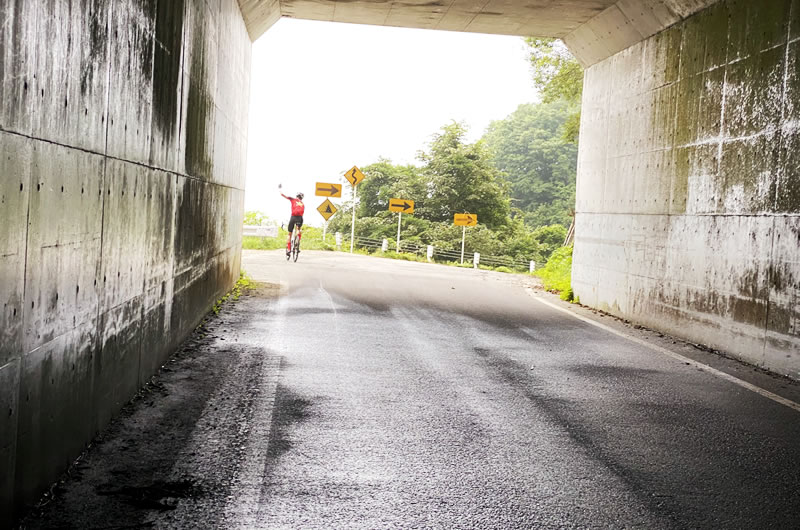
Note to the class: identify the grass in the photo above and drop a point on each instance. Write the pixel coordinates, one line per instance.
(556, 275)
(311, 240)
(405, 256)
(242, 284)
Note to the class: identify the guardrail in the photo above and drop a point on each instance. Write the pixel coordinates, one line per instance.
(442, 255)
(260, 231)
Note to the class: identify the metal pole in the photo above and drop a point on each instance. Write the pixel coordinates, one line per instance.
(324, 230)
(463, 237)
(353, 225)
(399, 218)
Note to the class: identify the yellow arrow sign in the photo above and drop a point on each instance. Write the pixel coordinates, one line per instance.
(354, 175)
(465, 219)
(325, 189)
(401, 205)
(327, 209)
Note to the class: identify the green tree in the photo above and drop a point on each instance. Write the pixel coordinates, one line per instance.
(385, 181)
(558, 76)
(538, 163)
(550, 238)
(461, 178)
(255, 218)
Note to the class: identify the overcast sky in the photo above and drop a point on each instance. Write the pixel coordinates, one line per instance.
(327, 96)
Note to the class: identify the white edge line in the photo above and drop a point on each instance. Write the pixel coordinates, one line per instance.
(735, 380)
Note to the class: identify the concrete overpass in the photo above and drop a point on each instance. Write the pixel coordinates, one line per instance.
(123, 132)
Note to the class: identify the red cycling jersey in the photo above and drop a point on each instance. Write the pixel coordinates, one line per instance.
(297, 207)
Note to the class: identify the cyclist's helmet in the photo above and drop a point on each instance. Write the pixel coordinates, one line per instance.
(300, 196)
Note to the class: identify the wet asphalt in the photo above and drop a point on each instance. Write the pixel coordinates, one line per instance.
(371, 393)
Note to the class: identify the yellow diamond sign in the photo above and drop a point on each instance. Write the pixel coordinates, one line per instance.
(327, 209)
(354, 175)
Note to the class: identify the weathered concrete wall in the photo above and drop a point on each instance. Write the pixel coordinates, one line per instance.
(123, 130)
(689, 182)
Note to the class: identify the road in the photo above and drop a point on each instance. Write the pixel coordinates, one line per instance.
(371, 393)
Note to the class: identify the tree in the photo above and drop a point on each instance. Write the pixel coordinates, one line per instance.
(550, 238)
(558, 76)
(385, 181)
(538, 163)
(461, 178)
(255, 218)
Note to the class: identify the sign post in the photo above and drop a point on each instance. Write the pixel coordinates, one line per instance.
(399, 218)
(353, 176)
(400, 206)
(353, 223)
(465, 220)
(463, 238)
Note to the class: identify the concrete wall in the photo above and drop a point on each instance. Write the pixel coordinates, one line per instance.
(123, 128)
(689, 182)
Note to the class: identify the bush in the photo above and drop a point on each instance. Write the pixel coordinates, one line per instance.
(263, 243)
(557, 274)
(399, 255)
(503, 269)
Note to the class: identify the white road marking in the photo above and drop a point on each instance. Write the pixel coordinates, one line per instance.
(735, 380)
(242, 509)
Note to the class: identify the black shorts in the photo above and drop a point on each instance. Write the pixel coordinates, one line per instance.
(295, 220)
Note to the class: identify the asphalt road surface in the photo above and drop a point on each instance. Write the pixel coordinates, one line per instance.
(371, 393)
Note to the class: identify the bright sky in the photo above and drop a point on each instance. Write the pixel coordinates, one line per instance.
(327, 96)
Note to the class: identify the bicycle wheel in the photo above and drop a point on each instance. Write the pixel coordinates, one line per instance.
(295, 248)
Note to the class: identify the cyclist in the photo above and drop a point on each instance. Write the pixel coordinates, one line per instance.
(296, 219)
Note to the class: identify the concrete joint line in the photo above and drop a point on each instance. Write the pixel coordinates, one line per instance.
(735, 380)
(110, 157)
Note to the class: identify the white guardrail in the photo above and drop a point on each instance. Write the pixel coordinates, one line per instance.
(437, 254)
(260, 231)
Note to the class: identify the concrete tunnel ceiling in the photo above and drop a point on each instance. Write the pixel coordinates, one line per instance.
(593, 29)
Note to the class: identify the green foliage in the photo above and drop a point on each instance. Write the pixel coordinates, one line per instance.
(558, 76)
(462, 178)
(262, 243)
(399, 255)
(539, 165)
(550, 238)
(255, 218)
(242, 284)
(311, 240)
(557, 274)
(556, 73)
(456, 177)
(385, 181)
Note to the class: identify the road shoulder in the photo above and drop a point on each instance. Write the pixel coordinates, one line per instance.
(716, 360)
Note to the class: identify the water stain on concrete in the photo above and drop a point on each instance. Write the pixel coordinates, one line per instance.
(167, 60)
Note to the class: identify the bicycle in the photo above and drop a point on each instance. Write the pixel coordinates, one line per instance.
(294, 248)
